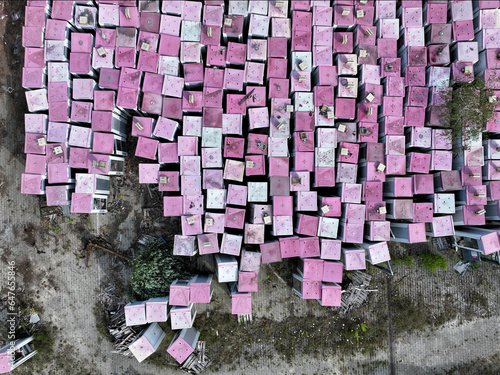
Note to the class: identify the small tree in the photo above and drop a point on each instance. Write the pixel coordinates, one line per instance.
(466, 109)
(155, 268)
(432, 262)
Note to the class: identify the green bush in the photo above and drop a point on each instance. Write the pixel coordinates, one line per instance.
(155, 268)
(466, 109)
(43, 341)
(432, 262)
(405, 260)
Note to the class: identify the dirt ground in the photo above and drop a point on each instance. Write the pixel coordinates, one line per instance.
(441, 323)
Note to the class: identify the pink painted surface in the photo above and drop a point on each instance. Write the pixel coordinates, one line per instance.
(313, 269)
(248, 281)
(179, 294)
(354, 260)
(241, 303)
(180, 350)
(309, 247)
(200, 292)
(135, 314)
(490, 242)
(330, 295)
(271, 252)
(231, 244)
(290, 247)
(423, 184)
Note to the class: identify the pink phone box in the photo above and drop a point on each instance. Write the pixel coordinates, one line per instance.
(307, 225)
(462, 72)
(36, 164)
(153, 83)
(347, 173)
(212, 97)
(348, 152)
(304, 161)
(151, 103)
(109, 79)
(169, 45)
(172, 108)
(354, 259)
(441, 160)
(214, 78)
(189, 227)
(32, 36)
(388, 48)
(216, 56)
(330, 249)
(328, 227)
(237, 195)
(241, 303)
(254, 234)
(166, 128)
(109, 15)
(172, 86)
(301, 40)
(323, 56)
(307, 201)
(323, 36)
(277, 47)
(146, 148)
(375, 211)
(192, 101)
(127, 98)
(372, 191)
(418, 162)
(234, 147)
(79, 63)
(81, 111)
(190, 185)
(167, 153)
(81, 42)
(78, 158)
(55, 29)
(257, 49)
(34, 57)
(235, 217)
(343, 42)
(231, 244)
(208, 243)
(394, 86)
(281, 28)
(32, 184)
(345, 108)
(62, 10)
(422, 212)
(378, 230)
(125, 57)
(212, 179)
(33, 78)
(172, 206)
(58, 132)
(255, 165)
(368, 132)
(211, 158)
(282, 226)
(311, 269)
(214, 223)
(168, 181)
(289, 247)
(248, 281)
(271, 252)
(395, 165)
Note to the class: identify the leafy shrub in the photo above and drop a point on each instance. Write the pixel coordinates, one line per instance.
(466, 109)
(155, 268)
(43, 341)
(432, 262)
(405, 260)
